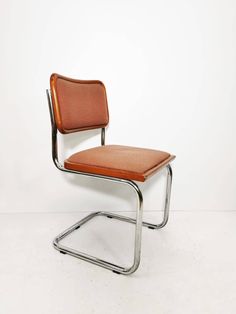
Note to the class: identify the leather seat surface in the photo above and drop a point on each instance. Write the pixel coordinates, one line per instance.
(123, 162)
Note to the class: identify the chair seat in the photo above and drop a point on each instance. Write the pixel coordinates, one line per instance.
(117, 161)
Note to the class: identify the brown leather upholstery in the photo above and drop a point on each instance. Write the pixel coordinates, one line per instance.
(82, 105)
(78, 105)
(119, 161)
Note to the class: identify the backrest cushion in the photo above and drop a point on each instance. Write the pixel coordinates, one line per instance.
(78, 104)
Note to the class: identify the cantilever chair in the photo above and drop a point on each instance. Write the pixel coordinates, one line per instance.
(77, 105)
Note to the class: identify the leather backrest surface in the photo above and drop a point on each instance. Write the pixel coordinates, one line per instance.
(78, 104)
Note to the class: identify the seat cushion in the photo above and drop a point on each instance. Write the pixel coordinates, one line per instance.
(123, 162)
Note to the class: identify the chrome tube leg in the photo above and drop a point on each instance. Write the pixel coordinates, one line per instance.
(138, 232)
(166, 206)
(138, 228)
(167, 198)
(103, 134)
(94, 260)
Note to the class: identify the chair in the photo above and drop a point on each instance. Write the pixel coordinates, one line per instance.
(78, 105)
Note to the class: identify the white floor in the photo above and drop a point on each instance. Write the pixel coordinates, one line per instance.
(187, 267)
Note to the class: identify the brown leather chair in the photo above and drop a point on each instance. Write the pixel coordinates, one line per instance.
(78, 105)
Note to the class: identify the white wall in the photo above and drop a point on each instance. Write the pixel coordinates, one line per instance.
(170, 72)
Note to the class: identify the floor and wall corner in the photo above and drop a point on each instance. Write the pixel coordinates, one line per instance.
(170, 72)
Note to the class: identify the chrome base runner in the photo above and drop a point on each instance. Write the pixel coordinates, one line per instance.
(138, 230)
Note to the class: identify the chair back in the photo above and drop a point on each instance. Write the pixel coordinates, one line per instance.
(78, 104)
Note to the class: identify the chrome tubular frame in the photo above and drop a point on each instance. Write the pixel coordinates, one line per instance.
(138, 221)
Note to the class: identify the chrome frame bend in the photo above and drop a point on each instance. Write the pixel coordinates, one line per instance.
(138, 221)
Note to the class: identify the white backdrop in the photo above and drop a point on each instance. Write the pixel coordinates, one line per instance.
(170, 72)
